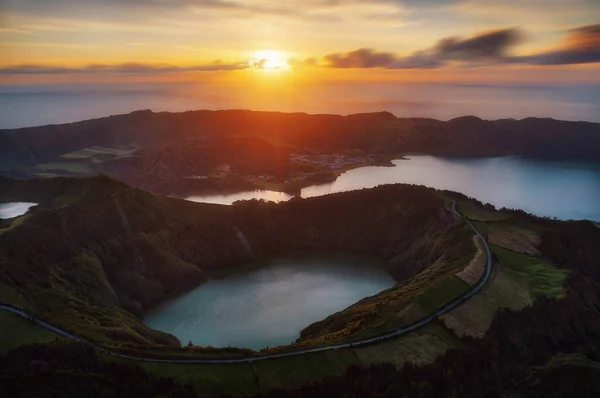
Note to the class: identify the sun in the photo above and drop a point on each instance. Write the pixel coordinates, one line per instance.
(270, 60)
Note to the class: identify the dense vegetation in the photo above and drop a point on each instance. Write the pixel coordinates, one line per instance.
(97, 277)
(97, 254)
(172, 149)
(74, 370)
(372, 132)
(550, 349)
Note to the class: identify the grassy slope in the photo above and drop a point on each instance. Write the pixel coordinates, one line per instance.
(71, 167)
(16, 331)
(544, 280)
(209, 380)
(141, 247)
(15, 223)
(442, 293)
(295, 371)
(475, 212)
(10, 295)
(517, 280)
(76, 292)
(420, 347)
(572, 375)
(474, 317)
(380, 313)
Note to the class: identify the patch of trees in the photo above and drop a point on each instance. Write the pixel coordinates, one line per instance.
(69, 369)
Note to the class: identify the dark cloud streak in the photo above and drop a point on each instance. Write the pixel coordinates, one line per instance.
(581, 45)
(361, 58)
(488, 46)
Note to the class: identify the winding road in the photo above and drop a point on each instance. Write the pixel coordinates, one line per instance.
(386, 336)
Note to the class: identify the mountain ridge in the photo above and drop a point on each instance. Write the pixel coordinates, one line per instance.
(146, 126)
(98, 247)
(204, 151)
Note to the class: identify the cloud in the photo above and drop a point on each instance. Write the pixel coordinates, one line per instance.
(361, 58)
(426, 3)
(39, 69)
(581, 45)
(389, 12)
(266, 7)
(487, 46)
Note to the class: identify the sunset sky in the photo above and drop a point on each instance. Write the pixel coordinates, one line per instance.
(291, 43)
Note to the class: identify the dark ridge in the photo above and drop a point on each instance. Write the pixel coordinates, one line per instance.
(173, 149)
(102, 247)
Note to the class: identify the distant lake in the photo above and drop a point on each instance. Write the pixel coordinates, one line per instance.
(566, 190)
(228, 199)
(14, 209)
(271, 302)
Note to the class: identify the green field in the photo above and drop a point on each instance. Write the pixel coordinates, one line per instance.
(10, 295)
(575, 360)
(81, 154)
(419, 347)
(70, 167)
(209, 380)
(564, 375)
(503, 290)
(97, 153)
(474, 211)
(434, 298)
(295, 371)
(15, 223)
(47, 175)
(517, 281)
(543, 278)
(16, 331)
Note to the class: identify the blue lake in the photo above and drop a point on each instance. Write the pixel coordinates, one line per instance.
(272, 301)
(566, 190)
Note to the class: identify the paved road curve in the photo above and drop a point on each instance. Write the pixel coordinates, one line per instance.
(386, 336)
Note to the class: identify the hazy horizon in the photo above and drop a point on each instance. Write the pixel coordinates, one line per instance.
(35, 105)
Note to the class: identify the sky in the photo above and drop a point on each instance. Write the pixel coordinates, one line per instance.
(286, 47)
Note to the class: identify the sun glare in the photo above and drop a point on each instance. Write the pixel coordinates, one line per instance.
(270, 60)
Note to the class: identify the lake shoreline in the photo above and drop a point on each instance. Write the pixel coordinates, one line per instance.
(265, 262)
(300, 286)
(562, 189)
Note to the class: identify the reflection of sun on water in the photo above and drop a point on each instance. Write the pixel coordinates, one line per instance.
(270, 60)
